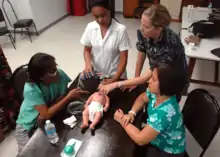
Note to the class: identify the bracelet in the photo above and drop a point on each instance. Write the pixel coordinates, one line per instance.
(132, 112)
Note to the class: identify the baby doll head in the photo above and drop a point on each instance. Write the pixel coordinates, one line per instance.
(101, 93)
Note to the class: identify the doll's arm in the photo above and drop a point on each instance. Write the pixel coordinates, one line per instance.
(107, 103)
(88, 101)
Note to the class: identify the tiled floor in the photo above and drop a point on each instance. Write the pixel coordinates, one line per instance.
(62, 41)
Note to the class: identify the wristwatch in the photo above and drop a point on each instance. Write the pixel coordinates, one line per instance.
(132, 112)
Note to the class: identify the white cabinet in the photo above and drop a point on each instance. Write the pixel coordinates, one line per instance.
(174, 7)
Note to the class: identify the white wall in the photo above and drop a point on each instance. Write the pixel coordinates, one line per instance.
(119, 5)
(43, 12)
(47, 11)
(23, 8)
(173, 6)
(22, 12)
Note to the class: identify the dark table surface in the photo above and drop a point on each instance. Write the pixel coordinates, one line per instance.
(110, 139)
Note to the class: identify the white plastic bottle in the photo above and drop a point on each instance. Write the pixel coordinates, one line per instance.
(210, 5)
(51, 132)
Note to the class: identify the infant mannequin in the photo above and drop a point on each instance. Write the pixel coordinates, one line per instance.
(93, 109)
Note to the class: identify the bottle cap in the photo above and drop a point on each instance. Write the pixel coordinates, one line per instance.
(48, 122)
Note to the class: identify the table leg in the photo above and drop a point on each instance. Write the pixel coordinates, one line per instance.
(1, 133)
(192, 62)
(216, 80)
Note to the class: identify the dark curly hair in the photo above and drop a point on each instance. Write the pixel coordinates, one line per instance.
(39, 65)
(103, 3)
(172, 80)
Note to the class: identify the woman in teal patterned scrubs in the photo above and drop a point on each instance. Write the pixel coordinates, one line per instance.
(164, 132)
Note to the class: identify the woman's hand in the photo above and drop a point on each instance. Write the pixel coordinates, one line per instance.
(76, 93)
(40, 120)
(128, 118)
(88, 72)
(107, 81)
(108, 88)
(118, 115)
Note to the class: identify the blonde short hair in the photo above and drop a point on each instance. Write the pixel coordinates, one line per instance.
(159, 15)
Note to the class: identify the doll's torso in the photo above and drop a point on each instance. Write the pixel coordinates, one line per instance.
(100, 98)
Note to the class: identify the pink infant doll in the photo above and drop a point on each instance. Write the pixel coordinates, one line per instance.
(94, 107)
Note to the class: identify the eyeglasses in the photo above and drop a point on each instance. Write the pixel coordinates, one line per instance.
(52, 74)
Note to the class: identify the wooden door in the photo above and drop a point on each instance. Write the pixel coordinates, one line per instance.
(129, 7)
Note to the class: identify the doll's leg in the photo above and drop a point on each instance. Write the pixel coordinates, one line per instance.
(97, 118)
(85, 118)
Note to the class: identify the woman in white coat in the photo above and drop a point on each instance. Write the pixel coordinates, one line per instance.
(106, 44)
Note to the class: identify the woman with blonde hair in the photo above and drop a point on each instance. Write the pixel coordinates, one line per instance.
(158, 43)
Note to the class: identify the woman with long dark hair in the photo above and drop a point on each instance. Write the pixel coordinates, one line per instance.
(106, 44)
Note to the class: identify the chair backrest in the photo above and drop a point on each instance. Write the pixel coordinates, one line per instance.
(201, 115)
(216, 4)
(1, 16)
(19, 77)
(5, 4)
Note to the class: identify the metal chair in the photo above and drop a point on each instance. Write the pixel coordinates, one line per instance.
(201, 115)
(4, 29)
(20, 23)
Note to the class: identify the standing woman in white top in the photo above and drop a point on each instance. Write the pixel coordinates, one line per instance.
(106, 44)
